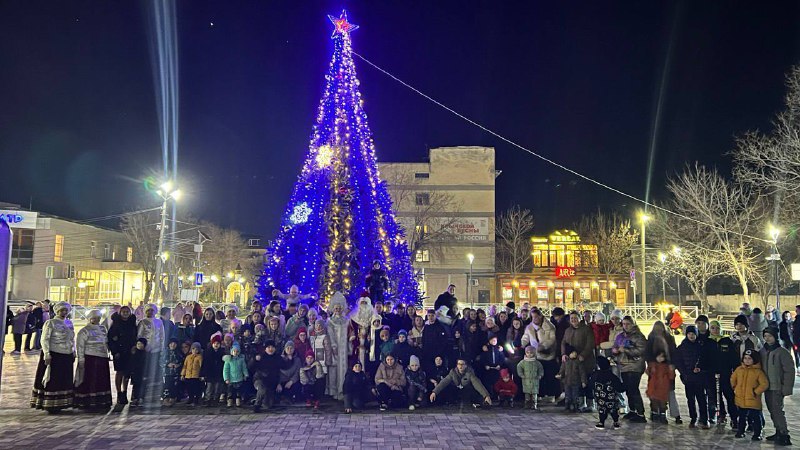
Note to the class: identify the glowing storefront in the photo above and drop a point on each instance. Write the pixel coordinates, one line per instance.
(565, 273)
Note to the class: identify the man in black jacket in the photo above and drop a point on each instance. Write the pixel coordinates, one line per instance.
(434, 342)
(266, 372)
(447, 298)
(121, 340)
(694, 360)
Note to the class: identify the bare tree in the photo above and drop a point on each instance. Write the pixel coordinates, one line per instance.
(426, 215)
(512, 234)
(141, 230)
(225, 252)
(614, 238)
(731, 215)
(771, 162)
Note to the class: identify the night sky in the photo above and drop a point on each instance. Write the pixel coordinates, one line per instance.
(579, 82)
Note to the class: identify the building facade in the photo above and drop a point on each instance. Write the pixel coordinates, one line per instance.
(565, 273)
(447, 207)
(61, 259)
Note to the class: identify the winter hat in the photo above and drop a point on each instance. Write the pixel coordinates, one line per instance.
(702, 318)
(691, 329)
(741, 319)
(302, 330)
(216, 338)
(753, 354)
(503, 373)
(616, 313)
(403, 332)
(558, 311)
(165, 311)
(715, 323)
(309, 353)
(413, 361)
(236, 347)
(568, 349)
(269, 343)
(94, 313)
(196, 345)
(756, 310)
(143, 341)
(773, 331)
(603, 363)
(599, 316)
(511, 305)
(175, 340)
(530, 348)
(288, 344)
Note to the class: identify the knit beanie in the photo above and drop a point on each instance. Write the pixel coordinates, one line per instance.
(753, 354)
(599, 316)
(288, 344)
(302, 330)
(403, 332)
(715, 323)
(773, 331)
(691, 329)
(702, 318)
(236, 347)
(196, 345)
(511, 305)
(558, 311)
(616, 313)
(741, 319)
(503, 373)
(269, 343)
(530, 348)
(309, 353)
(413, 361)
(216, 338)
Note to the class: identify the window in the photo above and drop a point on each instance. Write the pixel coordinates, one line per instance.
(254, 242)
(93, 253)
(423, 199)
(423, 256)
(507, 292)
(58, 255)
(422, 286)
(542, 294)
(422, 175)
(107, 251)
(22, 247)
(421, 229)
(129, 255)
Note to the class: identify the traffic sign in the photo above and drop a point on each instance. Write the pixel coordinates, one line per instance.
(795, 272)
(633, 275)
(198, 278)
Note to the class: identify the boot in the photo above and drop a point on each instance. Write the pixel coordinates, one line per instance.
(230, 403)
(773, 437)
(784, 440)
(122, 397)
(238, 402)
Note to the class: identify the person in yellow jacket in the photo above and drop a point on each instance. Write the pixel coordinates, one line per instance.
(190, 374)
(749, 382)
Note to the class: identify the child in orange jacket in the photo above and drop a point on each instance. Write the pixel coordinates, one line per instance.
(749, 382)
(660, 375)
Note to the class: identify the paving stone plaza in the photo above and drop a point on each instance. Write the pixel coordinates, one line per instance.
(181, 427)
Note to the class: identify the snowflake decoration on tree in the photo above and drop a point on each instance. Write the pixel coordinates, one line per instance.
(324, 156)
(300, 214)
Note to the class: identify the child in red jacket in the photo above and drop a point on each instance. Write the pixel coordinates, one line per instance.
(660, 376)
(505, 388)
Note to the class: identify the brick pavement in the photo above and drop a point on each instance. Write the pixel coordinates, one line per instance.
(293, 427)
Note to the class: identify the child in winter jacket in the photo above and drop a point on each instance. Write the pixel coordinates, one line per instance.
(438, 373)
(137, 367)
(749, 382)
(301, 342)
(530, 371)
(415, 383)
(573, 376)
(355, 388)
(173, 363)
(211, 371)
(190, 374)
(234, 372)
(660, 376)
(312, 380)
(505, 388)
(386, 344)
(606, 388)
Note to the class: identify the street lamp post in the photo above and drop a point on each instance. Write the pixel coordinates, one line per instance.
(677, 251)
(663, 259)
(775, 257)
(471, 259)
(166, 193)
(643, 218)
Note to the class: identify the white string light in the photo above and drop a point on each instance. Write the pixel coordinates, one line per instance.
(544, 158)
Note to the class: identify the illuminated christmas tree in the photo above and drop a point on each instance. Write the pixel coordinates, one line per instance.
(339, 219)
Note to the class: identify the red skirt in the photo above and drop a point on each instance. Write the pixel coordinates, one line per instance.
(59, 392)
(95, 389)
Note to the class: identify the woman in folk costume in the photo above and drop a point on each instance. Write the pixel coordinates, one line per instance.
(359, 327)
(338, 325)
(92, 377)
(53, 388)
(152, 329)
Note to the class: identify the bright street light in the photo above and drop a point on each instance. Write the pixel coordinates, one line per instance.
(471, 258)
(774, 232)
(676, 250)
(662, 257)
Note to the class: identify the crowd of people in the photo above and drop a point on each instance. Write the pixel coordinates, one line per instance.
(292, 350)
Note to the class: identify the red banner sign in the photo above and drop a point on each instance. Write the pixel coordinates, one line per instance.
(565, 272)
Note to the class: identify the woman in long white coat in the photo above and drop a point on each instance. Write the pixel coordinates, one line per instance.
(338, 325)
(93, 377)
